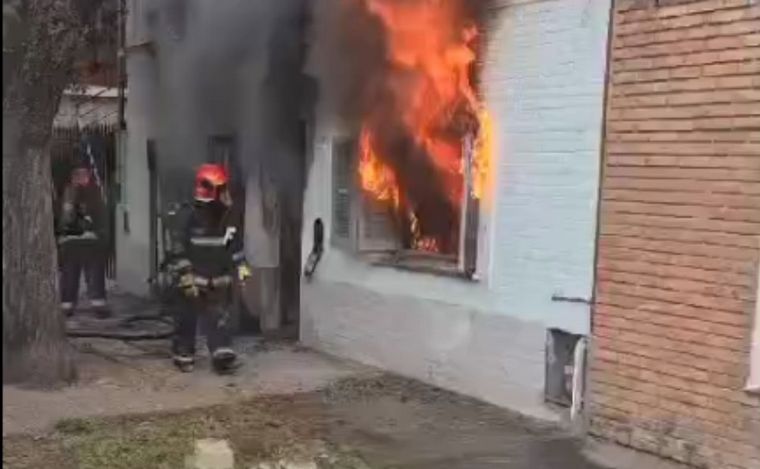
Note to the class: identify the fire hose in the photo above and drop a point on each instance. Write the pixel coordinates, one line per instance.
(128, 328)
(125, 329)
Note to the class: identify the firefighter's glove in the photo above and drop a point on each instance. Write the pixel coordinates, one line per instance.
(187, 285)
(244, 272)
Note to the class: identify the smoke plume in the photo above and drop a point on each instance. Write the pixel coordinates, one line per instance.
(228, 68)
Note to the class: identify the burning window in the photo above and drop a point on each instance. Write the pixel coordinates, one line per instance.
(421, 157)
(221, 150)
(176, 18)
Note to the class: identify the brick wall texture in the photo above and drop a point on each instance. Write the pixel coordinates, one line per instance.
(679, 233)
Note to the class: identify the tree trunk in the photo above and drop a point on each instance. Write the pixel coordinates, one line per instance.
(35, 349)
(41, 39)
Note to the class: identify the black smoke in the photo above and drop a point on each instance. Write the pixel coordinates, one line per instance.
(230, 68)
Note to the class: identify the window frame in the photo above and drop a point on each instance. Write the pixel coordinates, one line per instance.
(464, 265)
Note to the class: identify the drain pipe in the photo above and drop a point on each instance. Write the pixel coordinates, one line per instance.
(579, 373)
(584, 347)
(121, 64)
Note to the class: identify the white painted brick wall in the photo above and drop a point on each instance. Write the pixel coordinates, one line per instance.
(495, 358)
(544, 80)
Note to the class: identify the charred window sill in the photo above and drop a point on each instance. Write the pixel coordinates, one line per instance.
(419, 262)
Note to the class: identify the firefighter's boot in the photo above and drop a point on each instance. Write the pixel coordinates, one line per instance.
(224, 360)
(185, 363)
(100, 309)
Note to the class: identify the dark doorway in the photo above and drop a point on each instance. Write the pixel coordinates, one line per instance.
(290, 237)
(153, 209)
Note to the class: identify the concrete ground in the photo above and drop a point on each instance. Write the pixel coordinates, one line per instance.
(120, 378)
(386, 420)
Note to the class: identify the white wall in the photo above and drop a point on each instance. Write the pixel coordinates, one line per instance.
(544, 82)
(133, 245)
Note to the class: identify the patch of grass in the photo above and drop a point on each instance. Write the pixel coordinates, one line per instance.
(161, 446)
(258, 430)
(75, 426)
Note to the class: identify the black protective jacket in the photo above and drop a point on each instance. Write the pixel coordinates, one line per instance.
(81, 216)
(210, 245)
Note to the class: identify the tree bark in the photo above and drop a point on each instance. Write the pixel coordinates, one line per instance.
(35, 349)
(39, 50)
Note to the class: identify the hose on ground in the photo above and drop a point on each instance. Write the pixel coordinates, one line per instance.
(126, 334)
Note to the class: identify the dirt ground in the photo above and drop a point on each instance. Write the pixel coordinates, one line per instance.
(132, 410)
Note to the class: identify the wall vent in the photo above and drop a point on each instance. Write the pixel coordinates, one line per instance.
(560, 366)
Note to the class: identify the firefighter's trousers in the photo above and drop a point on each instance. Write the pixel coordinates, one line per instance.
(77, 257)
(210, 308)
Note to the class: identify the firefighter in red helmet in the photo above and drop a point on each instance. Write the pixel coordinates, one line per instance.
(210, 263)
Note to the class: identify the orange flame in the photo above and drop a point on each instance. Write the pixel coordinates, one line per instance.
(376, 177)
(483, 153)
(429, 39)
(419, 241)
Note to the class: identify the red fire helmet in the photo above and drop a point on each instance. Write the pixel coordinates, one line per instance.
(209, 180)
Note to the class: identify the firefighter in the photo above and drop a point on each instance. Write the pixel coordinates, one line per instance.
(208, 264)
(82, 242)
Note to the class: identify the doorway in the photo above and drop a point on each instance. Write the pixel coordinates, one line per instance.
(290, 237)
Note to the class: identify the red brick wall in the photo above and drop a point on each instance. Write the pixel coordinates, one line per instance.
(680, 230)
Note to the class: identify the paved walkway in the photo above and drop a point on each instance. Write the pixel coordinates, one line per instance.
(118, 378)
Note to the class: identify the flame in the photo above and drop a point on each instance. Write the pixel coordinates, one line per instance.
(432, 48)
(377, 178)
(421, 242)
(483, 153)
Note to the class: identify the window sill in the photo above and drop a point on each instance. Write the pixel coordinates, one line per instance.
(419, 262)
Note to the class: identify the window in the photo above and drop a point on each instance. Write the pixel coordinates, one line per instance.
(222, 149)
(342, 191)
(377, 231)
(176, 18)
